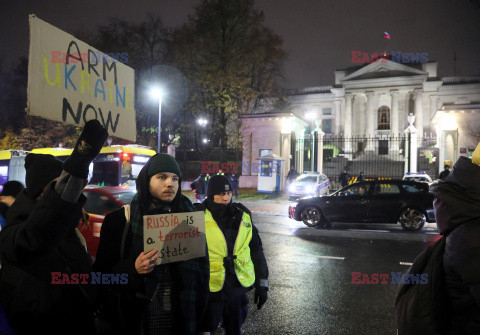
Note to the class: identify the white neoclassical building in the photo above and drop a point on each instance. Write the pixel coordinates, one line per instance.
(369, 101)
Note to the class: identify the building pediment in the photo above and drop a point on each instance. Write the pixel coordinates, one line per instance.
(384, 68)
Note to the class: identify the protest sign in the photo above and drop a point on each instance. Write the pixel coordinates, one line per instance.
(176, 236)
(69, 81)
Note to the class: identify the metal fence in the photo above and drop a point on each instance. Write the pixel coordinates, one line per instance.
(428, 157)
(377, 157)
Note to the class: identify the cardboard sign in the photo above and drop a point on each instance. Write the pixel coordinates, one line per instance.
(69, 81)
(176, 236)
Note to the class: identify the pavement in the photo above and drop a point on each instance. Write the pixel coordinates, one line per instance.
(275, 206)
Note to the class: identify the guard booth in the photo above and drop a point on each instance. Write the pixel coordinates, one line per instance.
(271, 174)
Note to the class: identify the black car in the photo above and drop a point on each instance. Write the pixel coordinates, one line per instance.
(380, 201)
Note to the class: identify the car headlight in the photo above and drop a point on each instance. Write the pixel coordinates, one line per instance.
(291, 188)
(310, 188)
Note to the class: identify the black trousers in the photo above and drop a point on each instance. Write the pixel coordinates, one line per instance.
(231, 312)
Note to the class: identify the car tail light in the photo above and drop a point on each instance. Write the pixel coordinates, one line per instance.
(125, 157)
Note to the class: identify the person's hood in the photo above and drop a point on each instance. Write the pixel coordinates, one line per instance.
(457, 199)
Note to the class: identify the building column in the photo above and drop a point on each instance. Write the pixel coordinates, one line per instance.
(433, 109)
(411, 148)
(285, 153)
(362, 128)
(394, 120)
(348, 124)
(370, 120)
(394, 113)
(441, 138)
(320, 135)
(171, 146)
(418, 98)
(338, 120)
(300, 148)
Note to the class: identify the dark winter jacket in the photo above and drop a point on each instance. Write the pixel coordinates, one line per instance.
(228, 218)
(200, 185)
(292, 174)
(444, 174)
(38, 240)
(3, 214)
(189, 278)
(119, 305)
(343, 178)
(233, 179)
(457, 210)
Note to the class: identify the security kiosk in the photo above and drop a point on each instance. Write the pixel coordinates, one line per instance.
(271, 174)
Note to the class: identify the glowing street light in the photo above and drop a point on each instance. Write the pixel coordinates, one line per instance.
(311, 116)
(157, 94)
(202, 122)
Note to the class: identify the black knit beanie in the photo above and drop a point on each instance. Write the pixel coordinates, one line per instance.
(163, 163)
(12, 188)
(218, 184)
(40, 170)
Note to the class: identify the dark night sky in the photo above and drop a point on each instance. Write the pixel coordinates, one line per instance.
(318, 35)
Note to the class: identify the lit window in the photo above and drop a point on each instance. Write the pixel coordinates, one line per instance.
(383, 118)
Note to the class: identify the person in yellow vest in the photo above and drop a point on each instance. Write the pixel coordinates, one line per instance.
(237, 261)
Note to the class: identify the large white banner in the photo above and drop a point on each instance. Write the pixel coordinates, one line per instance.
(69, 81)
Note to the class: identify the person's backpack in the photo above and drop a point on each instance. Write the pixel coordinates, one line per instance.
(422, 308)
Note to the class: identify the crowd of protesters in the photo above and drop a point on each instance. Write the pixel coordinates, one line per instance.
(40, 238)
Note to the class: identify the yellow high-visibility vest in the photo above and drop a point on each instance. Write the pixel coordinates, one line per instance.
(217, 251)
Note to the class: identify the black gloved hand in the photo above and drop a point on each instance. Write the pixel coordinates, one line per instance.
(87, 148)
(260, 296)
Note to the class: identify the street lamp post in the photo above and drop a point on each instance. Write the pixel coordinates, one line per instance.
(157, 93)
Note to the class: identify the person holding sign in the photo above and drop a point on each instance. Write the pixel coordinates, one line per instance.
(158, 299)
(237, 262)
(41, 239)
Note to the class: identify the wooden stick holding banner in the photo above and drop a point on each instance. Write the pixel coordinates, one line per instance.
(176, 236)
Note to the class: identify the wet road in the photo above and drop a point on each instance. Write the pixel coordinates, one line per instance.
(311, 290)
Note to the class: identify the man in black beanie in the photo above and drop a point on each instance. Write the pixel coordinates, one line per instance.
(160, 299)
(42, 251)
(235, 267)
